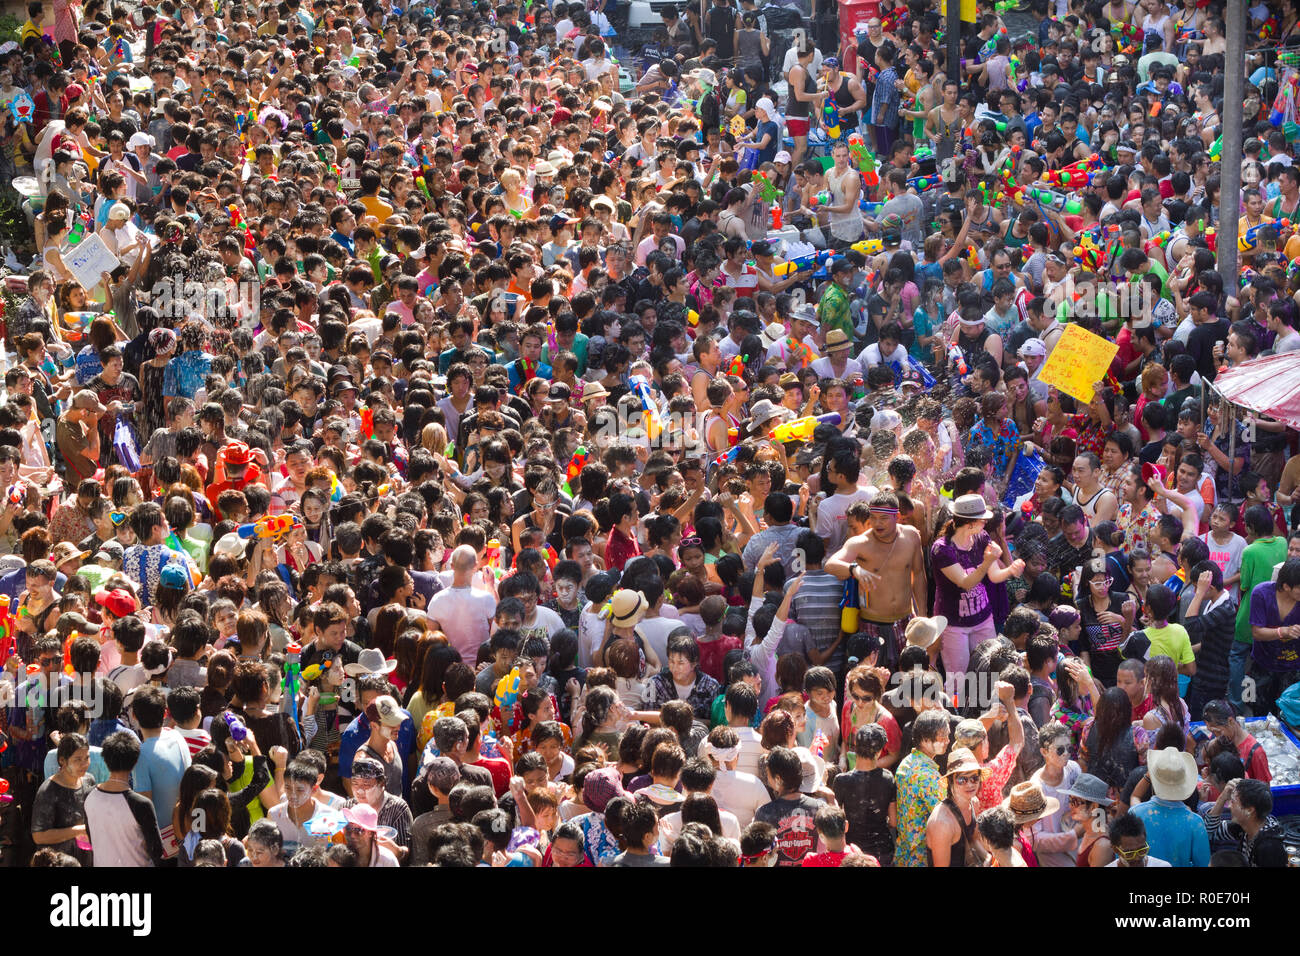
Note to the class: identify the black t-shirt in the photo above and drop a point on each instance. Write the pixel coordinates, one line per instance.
(721, 26)
(865, 796)
(796, 834)
(1200, 345)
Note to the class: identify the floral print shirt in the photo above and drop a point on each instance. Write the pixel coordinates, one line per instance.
(920, 790)
(1003, 442)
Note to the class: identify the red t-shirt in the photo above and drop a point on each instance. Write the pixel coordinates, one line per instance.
(499, 769)
(1254, 759)
(712, 653)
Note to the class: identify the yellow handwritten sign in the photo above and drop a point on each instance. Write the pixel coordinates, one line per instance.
(1079, 361)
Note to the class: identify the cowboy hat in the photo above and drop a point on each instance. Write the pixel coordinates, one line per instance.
(236, 453)
(627, 607)
(1172, 772)
(837, 341)
(971, 506)
(370, 661)
(594, 390)
(924, 631)
(66, 551)
(772, 333)
(1028, 803)
(363, 815)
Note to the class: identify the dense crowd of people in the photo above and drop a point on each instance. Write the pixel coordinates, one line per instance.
(430, 440)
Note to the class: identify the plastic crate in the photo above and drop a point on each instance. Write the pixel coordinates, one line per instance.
(1286, 800)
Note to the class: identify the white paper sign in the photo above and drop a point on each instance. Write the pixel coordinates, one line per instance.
(89, 260)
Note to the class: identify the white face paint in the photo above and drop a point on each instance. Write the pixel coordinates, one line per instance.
(297, 794)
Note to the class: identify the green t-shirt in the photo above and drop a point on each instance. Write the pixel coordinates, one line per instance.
(1172, 641)
(1257, 563)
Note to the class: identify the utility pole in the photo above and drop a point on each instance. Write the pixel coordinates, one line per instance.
(952, 37)
(1230, 161)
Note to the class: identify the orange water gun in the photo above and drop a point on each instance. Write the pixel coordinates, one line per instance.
(6, 630)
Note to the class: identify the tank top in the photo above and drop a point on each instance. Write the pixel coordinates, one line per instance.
(957, 856)
(949, 132)
(749, 47)
(1010, 239)
(846, 226)
(1090, 506)
(796, 107)
(843, 100)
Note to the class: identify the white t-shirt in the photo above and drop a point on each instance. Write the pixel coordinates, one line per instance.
(548, 619)
(1151, 861)
(751, 751)
(466, 617)
(654, 631)
(831, 525)
(740, 793)
(670, 825)
(870, 356)
(113, 830)
(822, 366)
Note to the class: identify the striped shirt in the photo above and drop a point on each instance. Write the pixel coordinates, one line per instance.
(817, 607)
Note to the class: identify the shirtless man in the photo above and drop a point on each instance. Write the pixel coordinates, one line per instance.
(888, 563)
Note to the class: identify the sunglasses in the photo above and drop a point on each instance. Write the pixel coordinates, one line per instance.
(1061, 750)
(51, 661)
(1137, 854)
(863, 699)
(690, 543)
(966, 779)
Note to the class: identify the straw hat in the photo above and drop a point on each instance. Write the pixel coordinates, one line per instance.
(627, 607)
(961, 760)
(1028, 803)
(924, 631)
(837, 341)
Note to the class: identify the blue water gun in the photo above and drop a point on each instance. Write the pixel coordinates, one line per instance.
(801, 264)
(870, 208)
(832, 116)
(922, 183)
(919, 372)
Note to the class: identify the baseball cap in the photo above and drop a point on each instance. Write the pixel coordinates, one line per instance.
(118, 602)
(385, 710)
(782, 157)
(1032, 348)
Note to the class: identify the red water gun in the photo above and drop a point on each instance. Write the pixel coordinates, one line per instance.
(576, 464)
(367, 424)
(237, 223)
(1269, 29)
(737, 365)
(1075, 175)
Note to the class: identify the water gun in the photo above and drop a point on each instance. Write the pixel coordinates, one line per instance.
(798, 352)
(492, 557)
(1011, 189)
(654, 424)
(957, 360)
(922, 183)
(1284, 103)
(870, 208)
(574, 468)
(892, 20)
(1005, 6)
(237, 223)
(1088, 253)
(831, 116)
(1128, 35)
(916, 372)
(869, 247)
(800, 264)
(727, 456)
(991, 195)
(801, 429)
(83, 318)
(850, 606)
(1269, 29)
(737, 365)
(823, 198)
(777, 218)
(1076, 175)
(507, 693)
(6, 630)
(767, 190)
(1250, 238)
(269, 526)
(367, 424)
(292, 680)
(1066, 204)
(864, 160)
